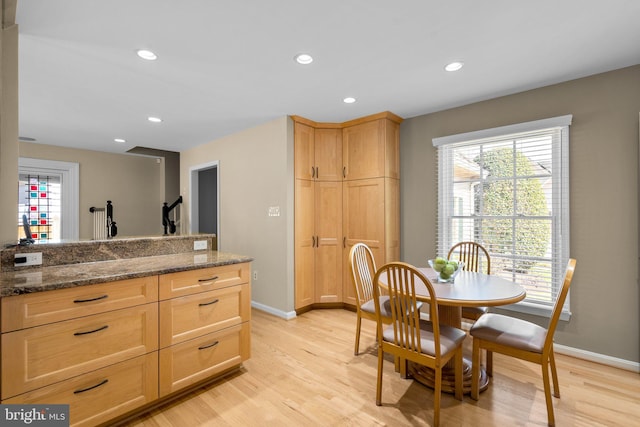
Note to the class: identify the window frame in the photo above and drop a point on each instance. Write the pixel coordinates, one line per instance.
(560, 220)
(70, 190)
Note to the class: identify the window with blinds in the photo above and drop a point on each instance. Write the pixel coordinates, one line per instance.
(508, 189)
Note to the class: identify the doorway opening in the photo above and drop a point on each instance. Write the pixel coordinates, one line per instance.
(204, 200)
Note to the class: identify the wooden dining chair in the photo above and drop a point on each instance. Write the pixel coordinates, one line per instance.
(410, 338)
(522, 340)
(363, 269)
(476, 258)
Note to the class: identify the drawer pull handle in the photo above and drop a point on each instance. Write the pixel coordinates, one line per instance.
(77, 301)
(82, 390)
(215, 343)
(90, 332)
(202, 304)
(208, 280)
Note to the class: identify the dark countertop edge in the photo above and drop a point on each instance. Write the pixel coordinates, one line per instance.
(64, 283)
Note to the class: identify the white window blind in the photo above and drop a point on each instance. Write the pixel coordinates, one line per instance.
(508, 189)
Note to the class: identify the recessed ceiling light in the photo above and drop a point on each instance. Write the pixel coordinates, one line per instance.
(303, 58)
(147, 54)
(349, 100)
(120, 140)
(454, 66)
(154, 119)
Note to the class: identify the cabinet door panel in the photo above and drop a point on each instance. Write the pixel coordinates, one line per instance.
(304, 151)
(195, 360)
(363, 150)
(39, 308)
(108, 392)
(304, 243)
(363, 221)
(328, 154)
(195, 315)
(328, 220)
(205, 279)
(55, 352)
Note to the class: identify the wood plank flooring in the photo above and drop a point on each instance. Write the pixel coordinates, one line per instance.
(303, 372)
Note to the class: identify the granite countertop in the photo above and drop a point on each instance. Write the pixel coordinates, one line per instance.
(88, 273)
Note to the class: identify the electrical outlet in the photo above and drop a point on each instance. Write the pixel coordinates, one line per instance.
(255, 275)
(28, 258)
(199, 245)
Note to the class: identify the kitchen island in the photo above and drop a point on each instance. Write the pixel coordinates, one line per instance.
(111, 333)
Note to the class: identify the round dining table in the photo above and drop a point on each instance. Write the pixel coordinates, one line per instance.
(469, 289)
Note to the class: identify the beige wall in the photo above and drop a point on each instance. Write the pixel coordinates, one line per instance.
(603, 151)
(8, 122)
(255, 172)
(134, 184)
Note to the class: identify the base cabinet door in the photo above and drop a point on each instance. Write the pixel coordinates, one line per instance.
(104, 394)
(195, 360)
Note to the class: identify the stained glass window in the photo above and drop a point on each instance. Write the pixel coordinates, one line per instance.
(39, 199)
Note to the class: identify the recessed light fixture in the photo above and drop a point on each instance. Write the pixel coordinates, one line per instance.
(147, 54)
(120, 140)
(303, 58)
(154, 119)
(454, 66)
(349, 100)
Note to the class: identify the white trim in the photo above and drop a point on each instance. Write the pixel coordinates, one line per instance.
(536, 310)
(532, 126)
(615, 362)
(70, 174)
(279, 313)
(193, 196)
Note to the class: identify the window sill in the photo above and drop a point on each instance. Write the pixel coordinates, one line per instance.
(536, 310)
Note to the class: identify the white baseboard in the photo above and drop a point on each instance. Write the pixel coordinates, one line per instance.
(279, 313)
(603, 359)
(615, 362)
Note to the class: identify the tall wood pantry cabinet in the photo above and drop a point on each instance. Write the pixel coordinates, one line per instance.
(346, 191)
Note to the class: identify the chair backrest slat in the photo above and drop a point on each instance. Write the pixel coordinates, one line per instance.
(401, 280)
(363, 268)
(474, 256)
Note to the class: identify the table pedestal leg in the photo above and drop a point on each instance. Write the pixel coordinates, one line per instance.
(452, 316)
(426, 376)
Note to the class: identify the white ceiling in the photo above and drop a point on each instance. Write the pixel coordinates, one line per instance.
(225, 66)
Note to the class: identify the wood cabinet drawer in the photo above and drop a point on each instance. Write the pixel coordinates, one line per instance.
(28, 310)
(191, 361)
(206, 279)
(37, 357)
(195, 315)
(103, 394)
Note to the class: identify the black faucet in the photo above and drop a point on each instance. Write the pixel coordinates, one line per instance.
(166, 222)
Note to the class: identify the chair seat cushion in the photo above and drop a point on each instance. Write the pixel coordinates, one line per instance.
(473, 312)
(450, 337)
(509, 331)
(385, 306)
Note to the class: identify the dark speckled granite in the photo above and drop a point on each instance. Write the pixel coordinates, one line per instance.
(104, 250)
(71, 275)
(66, 265)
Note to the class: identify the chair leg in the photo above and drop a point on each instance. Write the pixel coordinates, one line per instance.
(379, 382)
(489, 363)
(436, 396)
(358, 324)
(547, 392)
(554, 374)
(475, 369)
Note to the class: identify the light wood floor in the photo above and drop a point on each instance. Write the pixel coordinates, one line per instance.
(302, 372)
